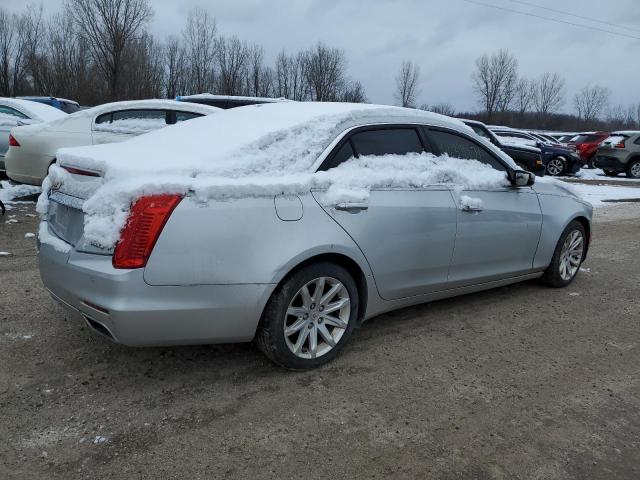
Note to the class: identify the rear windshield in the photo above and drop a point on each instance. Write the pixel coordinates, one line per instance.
(585, 138)
(69, 107)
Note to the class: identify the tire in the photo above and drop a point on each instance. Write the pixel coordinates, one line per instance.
(590, 163)
(557, 166)
(633, 169)
(610, 173)
(553, 275)
(307, 319)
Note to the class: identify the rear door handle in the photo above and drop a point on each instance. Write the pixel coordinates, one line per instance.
(469, 208)
(352, 207)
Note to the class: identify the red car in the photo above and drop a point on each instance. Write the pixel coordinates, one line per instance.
(586, 145)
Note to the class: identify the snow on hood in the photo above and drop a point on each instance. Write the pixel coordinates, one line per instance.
(253, 151)
(34, 110)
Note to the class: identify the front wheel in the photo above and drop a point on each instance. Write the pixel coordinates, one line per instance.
(567, 257)
(557, 166)
(310, 317)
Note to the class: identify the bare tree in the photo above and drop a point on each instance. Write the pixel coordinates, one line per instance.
(7, 51)
(407, 84)
(200, 51)
(175, 67)
(549, 93)
(232, 63)
(290, 76)
(525, 92)
(325, 72)
(590, 102)
(260, 78)
(354, 93)
(494, 81)
(108, 27)
(443, 108)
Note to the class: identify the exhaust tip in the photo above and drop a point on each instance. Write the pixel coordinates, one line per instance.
(99, 328)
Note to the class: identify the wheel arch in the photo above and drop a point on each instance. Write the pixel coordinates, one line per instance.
(345, 261)
(587, 230)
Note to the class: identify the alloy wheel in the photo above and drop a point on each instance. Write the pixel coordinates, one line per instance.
(635, 170)
(555, 167)
(571, 255)
(317, 317)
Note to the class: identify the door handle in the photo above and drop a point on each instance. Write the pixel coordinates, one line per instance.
(470, 209)
(352, 207)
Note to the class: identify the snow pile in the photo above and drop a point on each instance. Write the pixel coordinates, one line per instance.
(253, 151)
(10, 193)
(467, 202)
(132, 126)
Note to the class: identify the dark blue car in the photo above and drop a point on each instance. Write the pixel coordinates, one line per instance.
(558, 159)
(67, 106)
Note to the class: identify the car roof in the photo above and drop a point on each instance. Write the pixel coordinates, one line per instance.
(238, 98)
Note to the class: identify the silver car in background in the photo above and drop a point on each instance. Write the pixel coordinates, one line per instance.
(297, 275)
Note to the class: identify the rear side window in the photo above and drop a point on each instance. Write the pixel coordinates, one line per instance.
(394, 141)
(457, 146)
(10, 116)
(132, 122)
(637, 142)
(182, 116)
(69, 107)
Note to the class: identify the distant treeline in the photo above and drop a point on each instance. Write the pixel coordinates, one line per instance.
(95, 51)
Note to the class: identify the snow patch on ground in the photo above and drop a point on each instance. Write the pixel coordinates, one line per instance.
(4, 254)
(597, 194)
(9, 192)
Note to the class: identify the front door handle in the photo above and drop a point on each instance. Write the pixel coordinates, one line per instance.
(352, 207)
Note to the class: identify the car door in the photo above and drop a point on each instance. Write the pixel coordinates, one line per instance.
(406, 234)
(120, 125)
(498, 229)
(9, 118)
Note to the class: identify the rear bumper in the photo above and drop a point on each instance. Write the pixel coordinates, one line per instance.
(120, 305)
(27, 168)
(609, 163)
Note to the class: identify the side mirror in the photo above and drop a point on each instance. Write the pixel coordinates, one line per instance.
(523, 179)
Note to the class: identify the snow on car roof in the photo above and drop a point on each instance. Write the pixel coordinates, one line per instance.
(34, 110)
(253, 151)
(211, 96)
(254, 139)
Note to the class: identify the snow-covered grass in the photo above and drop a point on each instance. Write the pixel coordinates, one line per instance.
(598, 174)
(597, 194)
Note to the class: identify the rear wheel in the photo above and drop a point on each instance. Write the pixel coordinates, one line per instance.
(557, 166)
(567, 257)
(310, 317)
(633, 170)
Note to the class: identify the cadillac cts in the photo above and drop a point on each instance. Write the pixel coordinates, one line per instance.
(279, 254)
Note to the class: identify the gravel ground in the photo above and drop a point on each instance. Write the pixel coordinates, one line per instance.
(519, 382)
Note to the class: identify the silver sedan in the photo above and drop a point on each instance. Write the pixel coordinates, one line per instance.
(297, 274)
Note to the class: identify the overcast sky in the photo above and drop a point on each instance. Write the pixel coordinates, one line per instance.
(444, 37)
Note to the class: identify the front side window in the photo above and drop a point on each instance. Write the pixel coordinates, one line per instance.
(132, 122)
(457, 146)
(392, 141)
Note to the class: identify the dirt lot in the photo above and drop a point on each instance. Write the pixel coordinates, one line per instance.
(519, 382)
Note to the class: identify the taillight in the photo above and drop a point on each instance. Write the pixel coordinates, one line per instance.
(620, 145)
(79, 171)
(13, 142)
(146, 220)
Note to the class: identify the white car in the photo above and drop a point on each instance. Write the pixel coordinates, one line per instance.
(33, 148)
(14, 112)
